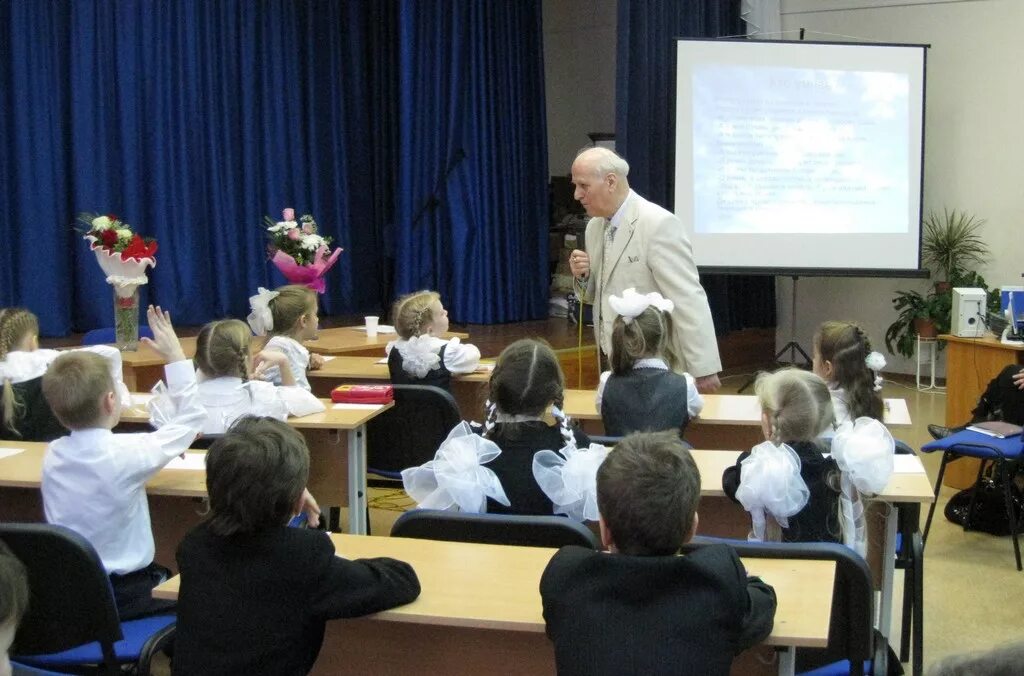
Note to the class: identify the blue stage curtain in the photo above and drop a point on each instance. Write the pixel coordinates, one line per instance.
(192, 119)
(645, 127)
(471, 215)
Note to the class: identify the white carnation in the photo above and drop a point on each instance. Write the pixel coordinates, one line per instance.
(312, 242)
(101, 223)
(124, 234)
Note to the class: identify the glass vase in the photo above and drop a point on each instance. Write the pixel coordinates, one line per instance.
(126, 318)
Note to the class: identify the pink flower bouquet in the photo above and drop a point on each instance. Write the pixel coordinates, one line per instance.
(302, 255)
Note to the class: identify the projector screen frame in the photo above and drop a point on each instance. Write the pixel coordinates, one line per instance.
(790, 271)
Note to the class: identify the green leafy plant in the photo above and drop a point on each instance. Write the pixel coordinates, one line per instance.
(952, 244)
(910, 306)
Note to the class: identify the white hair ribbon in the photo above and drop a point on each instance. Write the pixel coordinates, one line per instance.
(456, 478)
(261, 320)
(569, 479)
(770, 484)
(876, 362)
(864, 451)
(631, 304)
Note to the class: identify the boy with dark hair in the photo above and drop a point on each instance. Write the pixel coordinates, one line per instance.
(255, 594)
(13, 602)
(94, 481)
(642, 609)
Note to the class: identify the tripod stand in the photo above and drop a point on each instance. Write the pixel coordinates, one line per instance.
(792, 346)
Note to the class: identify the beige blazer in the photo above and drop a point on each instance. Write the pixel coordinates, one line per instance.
(651, 252)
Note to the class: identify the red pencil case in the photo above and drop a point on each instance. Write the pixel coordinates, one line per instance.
(363, 394)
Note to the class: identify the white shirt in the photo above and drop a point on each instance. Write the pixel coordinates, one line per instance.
(224, 400)
(22, 366)
(459, 357)
(94, 481)
(840, 412)
(694, 402)
(298, 360)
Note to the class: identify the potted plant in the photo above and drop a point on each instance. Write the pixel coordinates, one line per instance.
(917, 315)
(951, 246)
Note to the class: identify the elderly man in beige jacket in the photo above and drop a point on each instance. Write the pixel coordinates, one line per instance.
(634, 243)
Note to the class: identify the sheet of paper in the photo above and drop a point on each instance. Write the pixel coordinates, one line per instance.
(141, 399)
(485, 367)
(326, 357)
(8, 452)
(382, 361)
(356, 407)
(907, 464)
(192, 461)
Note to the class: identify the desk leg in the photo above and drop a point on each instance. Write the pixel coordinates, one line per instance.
(357, 480)
(888, 572)
(787, 661)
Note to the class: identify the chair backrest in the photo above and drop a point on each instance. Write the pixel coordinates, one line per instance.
(108, 335)
(851, 631)
(34, 419)
(70, 600)
(409, 433)
(494, 529)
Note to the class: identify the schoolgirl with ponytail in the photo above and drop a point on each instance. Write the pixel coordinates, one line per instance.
(843, 358)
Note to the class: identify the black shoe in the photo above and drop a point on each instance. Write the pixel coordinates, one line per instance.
(938, 432)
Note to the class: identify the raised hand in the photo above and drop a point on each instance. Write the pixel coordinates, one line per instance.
(165, 340)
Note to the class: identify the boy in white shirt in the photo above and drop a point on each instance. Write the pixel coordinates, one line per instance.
(94, 481)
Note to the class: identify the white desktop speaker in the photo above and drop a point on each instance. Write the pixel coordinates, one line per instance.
(967, 318)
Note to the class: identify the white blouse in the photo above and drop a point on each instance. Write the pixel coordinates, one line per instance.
(298, 360)
(419, 354)
(21, 366)
(227, 399)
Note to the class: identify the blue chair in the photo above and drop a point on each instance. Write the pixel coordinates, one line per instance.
(1004, 453)
(72, 621)
(852, 637)
(107, 335)
(409, 433)
(494, 529)
(25, 670)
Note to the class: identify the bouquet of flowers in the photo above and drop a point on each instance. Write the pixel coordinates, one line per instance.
(124, 256)
(302, 255)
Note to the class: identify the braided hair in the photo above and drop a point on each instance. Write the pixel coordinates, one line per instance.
(846, 347)
(222, 349)
(412, 313)
(526, 379)
(15, 325)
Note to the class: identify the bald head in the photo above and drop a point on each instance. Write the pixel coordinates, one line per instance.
(599, 176)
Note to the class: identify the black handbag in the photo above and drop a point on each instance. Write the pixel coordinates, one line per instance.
(989, 506)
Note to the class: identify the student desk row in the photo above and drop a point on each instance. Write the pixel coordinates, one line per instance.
(728, 421)
(337, 464)
(143, 368)
(480, 612)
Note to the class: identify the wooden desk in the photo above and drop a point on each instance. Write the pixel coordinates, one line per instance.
(337, 471)
(970, 364)
(728, 421)
(144, 368)
(469, 390)
(480, 610)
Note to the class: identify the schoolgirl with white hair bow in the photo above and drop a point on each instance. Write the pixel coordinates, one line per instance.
(642, 392)
(843, 358)
(289, 316)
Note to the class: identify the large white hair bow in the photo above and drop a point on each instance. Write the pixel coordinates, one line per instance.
(630, 304)
(569, 479)
(770, 483)
(456, 476)
(419, 357)
(261, 320)
(864, 451)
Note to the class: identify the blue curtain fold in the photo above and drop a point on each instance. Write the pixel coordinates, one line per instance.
(471, 215)
(645, 127)
(191, 120)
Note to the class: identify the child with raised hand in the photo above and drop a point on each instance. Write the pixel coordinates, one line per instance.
(642, 393)
(229, 384)
(13, 602)
(289, 316)
(94, 481)
(24, 413)
(787, 477)
(255, 594)
(421, 356)
(698, 610)
(843, 358)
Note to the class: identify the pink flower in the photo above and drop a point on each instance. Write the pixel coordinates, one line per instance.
(294, 234)
(288, 214)
(308, 228)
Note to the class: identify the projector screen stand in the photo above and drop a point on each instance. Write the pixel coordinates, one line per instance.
(792, 346)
